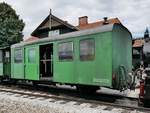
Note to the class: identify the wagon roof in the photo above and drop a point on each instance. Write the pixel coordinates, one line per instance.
(105, 28)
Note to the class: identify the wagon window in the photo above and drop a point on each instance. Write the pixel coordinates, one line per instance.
(18, 56)
(65, 51)
(7, 56)
(87, 49)
(1, 56)
(31, 55)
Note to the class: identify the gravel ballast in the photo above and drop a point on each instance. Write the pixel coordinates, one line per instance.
(10, 103)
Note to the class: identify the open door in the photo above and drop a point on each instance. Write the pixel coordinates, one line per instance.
(32, 63)
(46, 62)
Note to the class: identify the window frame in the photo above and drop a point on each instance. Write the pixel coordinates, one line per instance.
(28, 57)
(80, 49)
(62, 60)
(19, 61)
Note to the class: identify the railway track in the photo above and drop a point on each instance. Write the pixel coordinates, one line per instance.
(48, 95)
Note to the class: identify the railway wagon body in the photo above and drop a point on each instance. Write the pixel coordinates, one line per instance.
(94, 57)
(5, 66)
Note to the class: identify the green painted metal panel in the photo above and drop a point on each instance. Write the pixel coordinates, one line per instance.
(17, 69)
(122, 51)
(103, 76)
(63, 70)
(96, 72)
(1, 69)
(32, 62)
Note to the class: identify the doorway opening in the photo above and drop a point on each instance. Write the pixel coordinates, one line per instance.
(46, 62)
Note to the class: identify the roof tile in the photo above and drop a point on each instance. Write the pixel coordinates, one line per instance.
(32, 38)
(98, 23)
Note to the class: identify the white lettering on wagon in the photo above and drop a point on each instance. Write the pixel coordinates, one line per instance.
(99, 80)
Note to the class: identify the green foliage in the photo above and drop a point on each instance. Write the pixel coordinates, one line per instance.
(11, 25)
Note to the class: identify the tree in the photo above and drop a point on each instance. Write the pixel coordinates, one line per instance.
(11, 26)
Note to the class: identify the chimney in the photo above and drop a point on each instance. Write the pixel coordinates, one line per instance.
(83, 20)
(105, 20)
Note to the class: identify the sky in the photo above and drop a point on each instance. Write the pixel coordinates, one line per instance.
(134, 14)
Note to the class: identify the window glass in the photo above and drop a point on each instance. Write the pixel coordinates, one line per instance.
(7, 54)
(65, 51)
(54, 32)
(87, 50)
(31, 55)
(18, 56)
(1, 56)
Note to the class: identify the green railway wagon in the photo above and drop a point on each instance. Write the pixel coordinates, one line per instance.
(95, 57)
(5, 62)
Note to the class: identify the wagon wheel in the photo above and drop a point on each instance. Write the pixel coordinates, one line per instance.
(35, 84)
(87, 89)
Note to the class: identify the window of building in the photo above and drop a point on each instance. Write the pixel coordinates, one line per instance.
(32, 55)
(18, 56)
(65, 51)
(87, 49)
(54, 32)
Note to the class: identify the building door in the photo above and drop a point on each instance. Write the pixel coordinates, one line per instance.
(32, 63)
